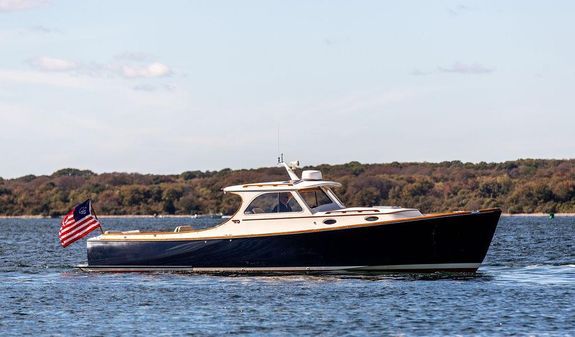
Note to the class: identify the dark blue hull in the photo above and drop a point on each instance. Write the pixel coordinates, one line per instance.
(456, 242)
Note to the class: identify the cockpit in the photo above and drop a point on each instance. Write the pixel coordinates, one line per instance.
(310, 194)
(317, 199)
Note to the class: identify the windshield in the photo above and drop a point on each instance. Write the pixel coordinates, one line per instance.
(318, 200)
(277, 202)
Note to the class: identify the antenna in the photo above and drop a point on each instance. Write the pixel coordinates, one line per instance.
(289, 168)
(280, 155)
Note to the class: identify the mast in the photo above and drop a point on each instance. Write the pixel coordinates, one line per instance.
(289, 168)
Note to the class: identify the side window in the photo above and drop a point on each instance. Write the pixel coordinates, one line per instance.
(315, 197)
(277, 202)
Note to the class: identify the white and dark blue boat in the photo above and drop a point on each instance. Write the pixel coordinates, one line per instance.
(301, 226)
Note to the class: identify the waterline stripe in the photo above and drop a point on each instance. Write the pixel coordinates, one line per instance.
(405, 267)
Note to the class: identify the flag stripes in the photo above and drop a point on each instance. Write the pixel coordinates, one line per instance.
(83, 233)
(78, 223)
(64, 230)
(80, 226)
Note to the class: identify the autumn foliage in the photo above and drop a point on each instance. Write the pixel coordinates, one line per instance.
(521, 186)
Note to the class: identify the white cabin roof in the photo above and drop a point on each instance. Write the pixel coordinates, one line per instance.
(292, 185)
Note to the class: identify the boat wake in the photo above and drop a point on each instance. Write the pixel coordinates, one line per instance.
(537, 274)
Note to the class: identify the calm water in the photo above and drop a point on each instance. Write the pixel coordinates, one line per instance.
(525, 287)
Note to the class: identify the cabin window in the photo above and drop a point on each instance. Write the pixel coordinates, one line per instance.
(278, 202)
(318, 200)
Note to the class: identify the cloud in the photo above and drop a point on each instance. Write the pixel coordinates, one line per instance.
(152, 70)
(463, 68)
(18, 5)
(46, 63)
(113, 69)
(60, 71)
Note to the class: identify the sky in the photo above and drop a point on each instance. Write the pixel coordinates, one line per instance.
(170, 86)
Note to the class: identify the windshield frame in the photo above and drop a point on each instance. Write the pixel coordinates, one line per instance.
(321, 208)
(333, 196)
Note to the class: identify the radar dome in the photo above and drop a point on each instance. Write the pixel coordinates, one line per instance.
(311, 175)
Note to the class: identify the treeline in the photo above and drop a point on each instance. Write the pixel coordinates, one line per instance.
(521, 186)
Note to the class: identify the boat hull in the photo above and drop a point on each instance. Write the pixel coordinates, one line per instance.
(455, 242)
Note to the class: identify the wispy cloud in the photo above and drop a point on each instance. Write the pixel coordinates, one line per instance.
(53, 71)
(466, 68)
(18, 5)
(46, 63)
(121, 67)
(152, 70)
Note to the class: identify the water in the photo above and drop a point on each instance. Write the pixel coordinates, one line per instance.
(525, 287)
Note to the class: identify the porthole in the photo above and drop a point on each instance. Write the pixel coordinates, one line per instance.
(371, 218)
(329, 221)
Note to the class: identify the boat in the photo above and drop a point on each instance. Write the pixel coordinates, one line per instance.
(300, 225)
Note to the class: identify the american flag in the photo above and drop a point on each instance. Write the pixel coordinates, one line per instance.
(78, 223)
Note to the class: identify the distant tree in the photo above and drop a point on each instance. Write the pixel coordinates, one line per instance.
(189, 175)
(27, 178)
(72, 172)
(223, 172)
(355, 167)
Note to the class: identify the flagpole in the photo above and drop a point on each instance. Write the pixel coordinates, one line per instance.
(94, 212)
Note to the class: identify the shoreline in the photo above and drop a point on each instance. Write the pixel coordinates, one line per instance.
(211, 215)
